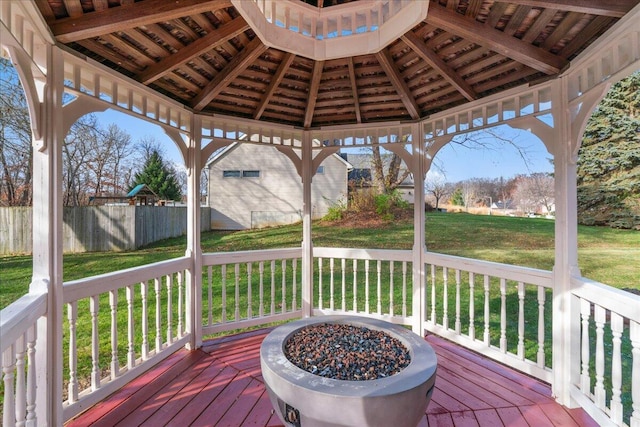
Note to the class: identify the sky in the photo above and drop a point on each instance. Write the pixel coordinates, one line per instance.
(454, 161)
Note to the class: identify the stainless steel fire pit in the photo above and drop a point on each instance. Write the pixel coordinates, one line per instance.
(303, 399)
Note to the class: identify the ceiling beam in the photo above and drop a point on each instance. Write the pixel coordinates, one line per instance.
(233, 69)
(613, 8)
(129, 16)
(313, 92)
(389, 67)
(432, 58)
(274, 83)
(212, 40)
(354, 90)
(496, 40)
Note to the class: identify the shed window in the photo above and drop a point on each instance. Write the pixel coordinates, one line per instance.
(320, 170)
(231, 174)
(251, 174)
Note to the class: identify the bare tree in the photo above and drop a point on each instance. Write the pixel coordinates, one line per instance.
(388, 172)
(436, 185)
(535, 191)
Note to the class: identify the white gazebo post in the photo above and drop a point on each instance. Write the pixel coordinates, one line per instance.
(47, 238)
(566, 327)
(307, 244)
(419, 246)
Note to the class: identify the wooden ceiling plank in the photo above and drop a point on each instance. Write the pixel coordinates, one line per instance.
(124, 17)
(516, 20)
(210, 41)
(99, 5)
(386, 61)
(506, 45)
(474, 8)
(313, 92)
(612, 8)
(74, 8)
(354, 90)
(437, 63)
(239, 62)
(591, 30)
(274, 83)
(539, 25)
(496, 12)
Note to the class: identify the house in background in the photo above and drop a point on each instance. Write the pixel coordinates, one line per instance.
(253, 186)
(361, 176)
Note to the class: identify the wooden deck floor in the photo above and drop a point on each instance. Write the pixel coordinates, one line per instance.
(221, 385)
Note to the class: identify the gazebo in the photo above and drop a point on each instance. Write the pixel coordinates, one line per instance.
(311, 78)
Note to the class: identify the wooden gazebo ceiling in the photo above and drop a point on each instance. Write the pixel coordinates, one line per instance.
(205, 55)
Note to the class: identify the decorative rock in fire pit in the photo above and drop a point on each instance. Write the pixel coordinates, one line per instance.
(347, 371)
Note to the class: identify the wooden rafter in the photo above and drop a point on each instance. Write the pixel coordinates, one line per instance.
(497, 41)
(613, 8)
(389, 67)
(212, 40)
(274, 83)
(429, 56)
(354, 90)
(128, 16)
(234, 68)
(313, 92)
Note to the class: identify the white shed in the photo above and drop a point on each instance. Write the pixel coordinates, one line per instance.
(253, 186)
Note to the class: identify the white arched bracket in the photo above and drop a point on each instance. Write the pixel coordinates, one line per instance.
(80, 106)
(321, 157)
(33, 82)
(214, 145)
(291, 154)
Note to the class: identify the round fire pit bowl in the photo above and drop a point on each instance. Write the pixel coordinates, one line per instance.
(305, 399)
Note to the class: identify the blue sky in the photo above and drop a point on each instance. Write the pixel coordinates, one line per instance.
(454, 161)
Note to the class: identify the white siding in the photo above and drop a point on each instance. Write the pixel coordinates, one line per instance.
(273, 198)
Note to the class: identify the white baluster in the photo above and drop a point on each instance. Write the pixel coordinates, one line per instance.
(487, 312)
(503, 315)
(21, 404)
(223, 278)
(634, 335)
(616, 369)
(261, 270)
(458, 325)
(541, 300)
(95, 345)
(157, 289)
(181, 302)
(320, 283)
(521, 295)
(366, 286)
(355, 285)
(131, 357)
(433, 295)
(599, 392)
(284, 286)
(169, 284)
(273, 287)
(144, 321)
(237, 291)
(585, 377)
(391, 288)
(472, 305)
(113, 304)
(331, 284)
(445, 298)
(379, 290)
(72, 317)
(295, 284)
(210, 295)
(404, 289)
(249, 290)
(344, 281)
(8, 371)
(31, 420)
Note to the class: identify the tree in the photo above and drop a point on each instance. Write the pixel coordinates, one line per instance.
(158, 177)
(609, 159)
(535, 191)
(437, 186)
(388, 173)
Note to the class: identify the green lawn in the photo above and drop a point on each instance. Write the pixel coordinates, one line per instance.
(607, 255)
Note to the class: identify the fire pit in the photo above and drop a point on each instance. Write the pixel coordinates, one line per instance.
(391, 388)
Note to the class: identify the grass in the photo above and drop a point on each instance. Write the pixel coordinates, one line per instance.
(606, 255)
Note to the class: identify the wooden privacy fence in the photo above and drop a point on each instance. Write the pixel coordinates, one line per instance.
(100, 228)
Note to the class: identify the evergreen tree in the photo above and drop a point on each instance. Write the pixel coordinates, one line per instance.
(158, 177)
(609, 159)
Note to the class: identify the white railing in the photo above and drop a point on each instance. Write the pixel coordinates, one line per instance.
(372, 282)
(491, 308)
(609, 383)
(18, 339)
(250, 288)
(140, 311)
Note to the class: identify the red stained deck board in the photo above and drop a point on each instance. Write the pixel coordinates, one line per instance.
(222, 385)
